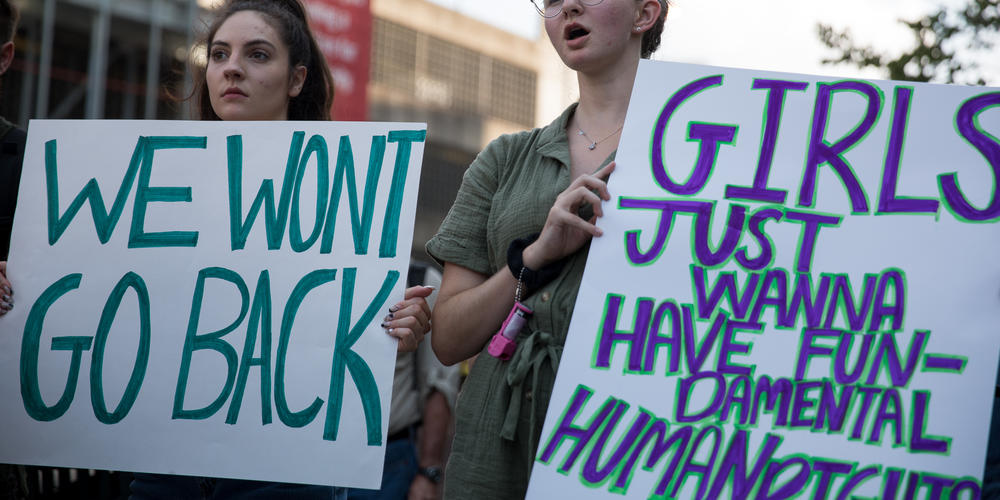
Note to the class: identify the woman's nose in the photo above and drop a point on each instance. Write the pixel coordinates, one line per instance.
(572, 7)
(232, 68)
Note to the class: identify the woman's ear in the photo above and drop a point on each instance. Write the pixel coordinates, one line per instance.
(649, 11)
(297, 81)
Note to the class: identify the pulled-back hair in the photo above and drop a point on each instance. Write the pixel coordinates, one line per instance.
(288, 18)
(651, 38)
(8, 21)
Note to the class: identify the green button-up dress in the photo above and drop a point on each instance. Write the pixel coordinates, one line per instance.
(506, 194)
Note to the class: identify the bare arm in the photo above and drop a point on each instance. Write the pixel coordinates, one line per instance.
(471, 306)
(430, 447)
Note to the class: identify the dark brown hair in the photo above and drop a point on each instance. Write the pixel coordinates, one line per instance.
(8, 21)
(651, 38)
(288, 18)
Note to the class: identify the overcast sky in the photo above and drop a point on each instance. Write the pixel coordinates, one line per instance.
(776, 35)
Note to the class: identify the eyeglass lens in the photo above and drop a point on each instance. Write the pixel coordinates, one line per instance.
(552, 8)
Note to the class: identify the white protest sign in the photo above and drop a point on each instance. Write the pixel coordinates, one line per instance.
(797, 293)
(205, 298)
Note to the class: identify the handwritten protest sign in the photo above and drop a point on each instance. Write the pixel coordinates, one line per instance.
(206, 298)
(797, 294)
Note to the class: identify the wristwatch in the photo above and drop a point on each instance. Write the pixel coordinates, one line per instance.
(433, 473)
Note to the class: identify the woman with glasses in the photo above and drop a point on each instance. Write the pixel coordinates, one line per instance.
(515, 243)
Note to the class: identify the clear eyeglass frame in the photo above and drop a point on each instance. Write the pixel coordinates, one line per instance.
(552, 8)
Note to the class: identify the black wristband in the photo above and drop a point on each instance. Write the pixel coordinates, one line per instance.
(531, 278)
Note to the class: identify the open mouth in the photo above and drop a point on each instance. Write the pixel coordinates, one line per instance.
(575, 31)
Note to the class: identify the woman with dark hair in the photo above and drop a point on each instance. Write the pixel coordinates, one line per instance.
(313, 90)
(515, 243)
(263, 64)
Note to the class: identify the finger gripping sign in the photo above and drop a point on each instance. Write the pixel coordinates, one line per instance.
(205, 298)
(796, 295)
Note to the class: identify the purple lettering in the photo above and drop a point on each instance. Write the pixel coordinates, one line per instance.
(724, 284)
(730, 346)
(708, 136)
(810, 232)
(887, 349)
(892, 310)
(840, 373)
(704, 471)
(673, 341)
(937, 484)
(593, 473)
(757, 221)
(678, 440)
(610, 334)
(581, 435)
(867, 395)
(808, 350)
(888, 202)
(826, 472)
(789, 489)
(821, 152)
(887, 415)
(917, 440)
(801, 403)
(856, 479)
(776, 90)
(832, 413)
(684, 388)
(988, 146)
(734, 463)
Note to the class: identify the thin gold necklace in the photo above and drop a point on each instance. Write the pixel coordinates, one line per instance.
(593, 144)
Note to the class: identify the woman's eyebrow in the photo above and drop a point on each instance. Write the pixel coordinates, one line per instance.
(259, 41)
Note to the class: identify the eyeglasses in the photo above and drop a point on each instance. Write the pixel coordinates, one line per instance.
(552, 8)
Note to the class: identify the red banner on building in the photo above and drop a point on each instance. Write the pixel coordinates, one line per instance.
(343, 30)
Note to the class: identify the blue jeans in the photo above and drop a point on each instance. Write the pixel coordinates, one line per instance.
(164, 487)
(400, 469)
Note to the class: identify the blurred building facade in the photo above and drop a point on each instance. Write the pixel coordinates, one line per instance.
(469, 81)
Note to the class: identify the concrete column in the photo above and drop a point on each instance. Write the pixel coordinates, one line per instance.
(45, 59)
(98, 65)
(153, 61)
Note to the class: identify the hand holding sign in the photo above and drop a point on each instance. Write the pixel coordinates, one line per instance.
(565, 231)
(6, 291)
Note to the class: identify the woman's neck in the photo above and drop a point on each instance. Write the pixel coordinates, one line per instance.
(604, 96)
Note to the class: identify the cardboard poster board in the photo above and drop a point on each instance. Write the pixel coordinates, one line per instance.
(205, 298)
(797, 294)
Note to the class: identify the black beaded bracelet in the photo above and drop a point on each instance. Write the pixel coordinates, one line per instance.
(532, 279)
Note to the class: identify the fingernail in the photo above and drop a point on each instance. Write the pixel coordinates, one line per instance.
(6, 298)
(385, 325)
(6, 289)
(430, 287)
(394, 308)
(389, 317)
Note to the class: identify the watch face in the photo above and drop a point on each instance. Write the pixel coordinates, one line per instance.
(432, 473)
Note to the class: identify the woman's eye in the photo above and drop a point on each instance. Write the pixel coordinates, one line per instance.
(550, 3)
(217, 55)
(259, 55)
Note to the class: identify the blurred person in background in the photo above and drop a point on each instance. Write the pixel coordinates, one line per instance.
(13, 484)
(11, 155)
(423, 397)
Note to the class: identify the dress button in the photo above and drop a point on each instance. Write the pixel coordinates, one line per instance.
(546, 296)
(528, 395)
